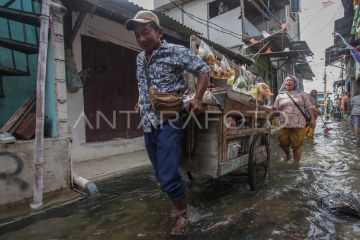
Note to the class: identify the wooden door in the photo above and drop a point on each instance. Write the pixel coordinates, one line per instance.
(110, 90)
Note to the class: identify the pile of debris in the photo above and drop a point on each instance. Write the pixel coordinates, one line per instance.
(21, 124)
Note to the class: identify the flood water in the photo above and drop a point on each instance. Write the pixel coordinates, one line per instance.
(131, 206)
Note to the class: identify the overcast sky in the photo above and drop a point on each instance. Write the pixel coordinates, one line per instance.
(317, 25)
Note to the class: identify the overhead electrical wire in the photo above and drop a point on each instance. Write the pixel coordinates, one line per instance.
(237, 35)
(207, 22)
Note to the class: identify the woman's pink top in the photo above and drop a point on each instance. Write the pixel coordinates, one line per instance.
(290, 116)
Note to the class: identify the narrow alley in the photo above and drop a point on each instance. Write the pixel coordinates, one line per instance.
(131, 206)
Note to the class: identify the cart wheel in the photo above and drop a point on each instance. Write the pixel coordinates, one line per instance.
(259, 160)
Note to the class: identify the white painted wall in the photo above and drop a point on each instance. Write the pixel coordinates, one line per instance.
(228, 20)
(116, 33)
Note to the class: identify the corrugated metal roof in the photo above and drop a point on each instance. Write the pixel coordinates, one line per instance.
(301, 46)
(122, 10)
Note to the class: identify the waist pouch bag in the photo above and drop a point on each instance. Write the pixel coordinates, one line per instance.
(166, 105)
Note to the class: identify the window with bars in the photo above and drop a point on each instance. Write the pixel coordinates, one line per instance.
(295, 6)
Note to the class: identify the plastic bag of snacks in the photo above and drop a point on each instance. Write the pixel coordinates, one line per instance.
(206, 54)
(226, 69)
(216, 71)
(231, 80)
(240, 84)
(264, 90)
(260, 90)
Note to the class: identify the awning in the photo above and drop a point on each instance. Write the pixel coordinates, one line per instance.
(334, 54)
(295, 49)
(303, 68)
(301, 47)
(122, 10)
(284, 54)
(277, 42)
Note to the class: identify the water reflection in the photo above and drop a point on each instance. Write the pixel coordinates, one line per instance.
(131, 207)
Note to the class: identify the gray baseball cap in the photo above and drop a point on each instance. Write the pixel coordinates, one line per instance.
(142, 16)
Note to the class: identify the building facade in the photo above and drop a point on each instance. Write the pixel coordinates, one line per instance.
(267, 33)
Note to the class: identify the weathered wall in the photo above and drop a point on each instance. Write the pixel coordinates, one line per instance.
(104, 30)
(17, 178)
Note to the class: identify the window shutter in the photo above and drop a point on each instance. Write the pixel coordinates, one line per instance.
(295, 6)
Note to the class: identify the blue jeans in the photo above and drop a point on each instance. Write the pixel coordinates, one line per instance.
(163, 146)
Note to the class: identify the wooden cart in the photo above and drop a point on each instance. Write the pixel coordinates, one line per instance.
(213, 148)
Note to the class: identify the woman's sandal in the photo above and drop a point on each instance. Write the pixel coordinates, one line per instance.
(181, 227)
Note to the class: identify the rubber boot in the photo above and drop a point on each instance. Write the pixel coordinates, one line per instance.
(286, 150)
(182, 219)
(297, 156)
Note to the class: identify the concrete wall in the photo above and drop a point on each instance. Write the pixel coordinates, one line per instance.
(104, 30)
(17, 178)
(228, 20)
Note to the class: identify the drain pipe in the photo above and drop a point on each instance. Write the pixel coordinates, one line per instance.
(40, 107)
(85, 185)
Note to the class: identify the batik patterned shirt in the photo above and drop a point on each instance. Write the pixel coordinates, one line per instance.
(290, 116)
(165, 72)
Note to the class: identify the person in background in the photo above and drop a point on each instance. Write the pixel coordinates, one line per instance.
(292, 121)
(314, 105)
(355, 116)
(161, 65)
(344, 99)
(222, 8)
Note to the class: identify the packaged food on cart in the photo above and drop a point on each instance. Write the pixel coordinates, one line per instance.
(231, 80)
(260, 90)
(264, 90)
(242, 84)
(227, 72)
(216, 71)
(206, 54)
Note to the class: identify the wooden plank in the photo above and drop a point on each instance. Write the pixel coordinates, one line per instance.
(205, 157)
(77, 26)
(233, 165)
(247, 109)
(26, 129)
(237, 133)
(222, 140)
(19, 115)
